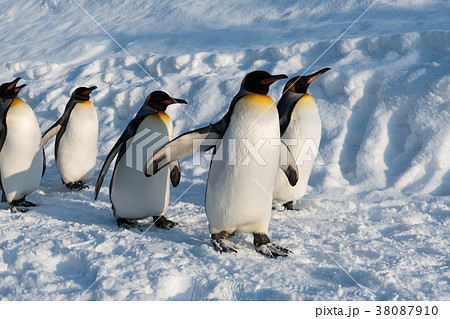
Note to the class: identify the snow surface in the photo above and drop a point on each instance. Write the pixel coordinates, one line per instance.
(375, 222)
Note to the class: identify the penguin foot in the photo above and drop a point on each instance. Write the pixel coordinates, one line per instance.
(76, 186)
(23, 203)
(15, 209)
(163, 222)
(265, 247)
(224, 246)
(128, 224)
(272, 250)
(289, 205)
(221, 244)
(26, 203)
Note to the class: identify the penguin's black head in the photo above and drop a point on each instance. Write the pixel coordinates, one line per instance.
(9, 90)
(260, 81)
(300, 84)
(159, 100)
(82, 93)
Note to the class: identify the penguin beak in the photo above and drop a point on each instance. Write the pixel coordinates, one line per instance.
(173, 101)
(273, 78)
(14, 83)
(89, 90)
(17, 89)
(314, 76)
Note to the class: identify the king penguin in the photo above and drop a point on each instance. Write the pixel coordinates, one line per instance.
(132, 195)
(22, 159)
(240, 182)
(299, 125)
(76, 139)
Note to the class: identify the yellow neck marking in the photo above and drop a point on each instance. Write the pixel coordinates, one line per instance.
(306, 101)
(17, 101)
(85, 104)
(161, 116)
(258, 100)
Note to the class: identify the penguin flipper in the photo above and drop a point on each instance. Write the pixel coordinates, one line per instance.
(43, 162)
(118, 150)
(200, 140)
(2, 131)
(4, 200)
(109, 158)
(52, 131)
(288, 165)
(175, 173)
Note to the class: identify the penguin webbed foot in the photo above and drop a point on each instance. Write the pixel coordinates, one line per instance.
(289, 205)
(21, 205)
(26, 203)
(221, 244)
(76, 186)
(17, 209)
(128, 224)
(163, 222)
(267, 248)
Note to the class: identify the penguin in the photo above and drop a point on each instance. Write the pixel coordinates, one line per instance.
(132, 195)
(239, 187)
(22, 158)
(76, 140)
(299, 122)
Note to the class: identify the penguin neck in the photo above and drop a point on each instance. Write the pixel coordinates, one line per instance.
(285, 107)
(4, 103)
(4, 106)
(16, 101)
(223, 123)
(242, 92)
(287, 102)
(145, 110)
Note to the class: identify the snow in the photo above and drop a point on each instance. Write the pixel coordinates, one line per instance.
(374, 224)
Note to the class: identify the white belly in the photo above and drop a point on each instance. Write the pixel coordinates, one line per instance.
(238, 196)
(77, 149)
(21, 158)
(133, 195)
(304, 132)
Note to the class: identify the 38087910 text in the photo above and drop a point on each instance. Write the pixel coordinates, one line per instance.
(407, 310)
(381, 311)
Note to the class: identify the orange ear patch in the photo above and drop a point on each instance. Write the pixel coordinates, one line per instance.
(243, 81)
(147, 99)
(291, 86)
